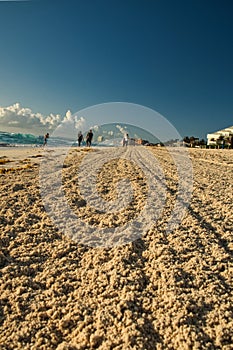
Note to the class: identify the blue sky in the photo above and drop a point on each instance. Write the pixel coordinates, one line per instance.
(175, 57)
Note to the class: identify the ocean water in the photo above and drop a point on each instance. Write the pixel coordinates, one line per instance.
(10, 139)
(104, 135)
(18, 139)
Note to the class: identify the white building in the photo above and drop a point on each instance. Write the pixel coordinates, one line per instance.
(212, 138)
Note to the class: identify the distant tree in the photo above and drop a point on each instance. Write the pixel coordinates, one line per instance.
(202, 142)
(227, 141)
(220, 141)
(186, 139)
(193, 141)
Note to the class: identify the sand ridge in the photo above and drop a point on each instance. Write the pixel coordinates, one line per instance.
(159, 292)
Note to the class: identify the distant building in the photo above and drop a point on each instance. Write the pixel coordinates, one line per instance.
(219, 137)
(100, 139)
(139, 141)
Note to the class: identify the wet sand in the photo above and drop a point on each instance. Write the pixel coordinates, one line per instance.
(161, 291)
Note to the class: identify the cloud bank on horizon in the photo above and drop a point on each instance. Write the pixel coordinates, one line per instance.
(18, 118)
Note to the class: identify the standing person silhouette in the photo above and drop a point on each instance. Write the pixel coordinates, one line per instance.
(80, 138)
(125, 140)
(89, 138)
(46, 136)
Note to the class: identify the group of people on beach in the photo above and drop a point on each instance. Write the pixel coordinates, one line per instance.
(89, 137)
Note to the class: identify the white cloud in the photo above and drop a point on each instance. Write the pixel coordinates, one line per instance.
(21, 118)
(121, 129)
(68, 117)
(80, 123)
(70, 126)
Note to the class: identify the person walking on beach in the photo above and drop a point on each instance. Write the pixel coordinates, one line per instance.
(80, 138)
(125, 140)
(231, 142)
(46, 136)
(89, 138)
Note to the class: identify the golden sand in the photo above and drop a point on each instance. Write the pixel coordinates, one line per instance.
(162, 291)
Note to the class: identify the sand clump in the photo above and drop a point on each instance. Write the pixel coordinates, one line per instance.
(162, 291)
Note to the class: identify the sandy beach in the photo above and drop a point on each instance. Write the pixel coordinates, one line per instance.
(159, 291)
